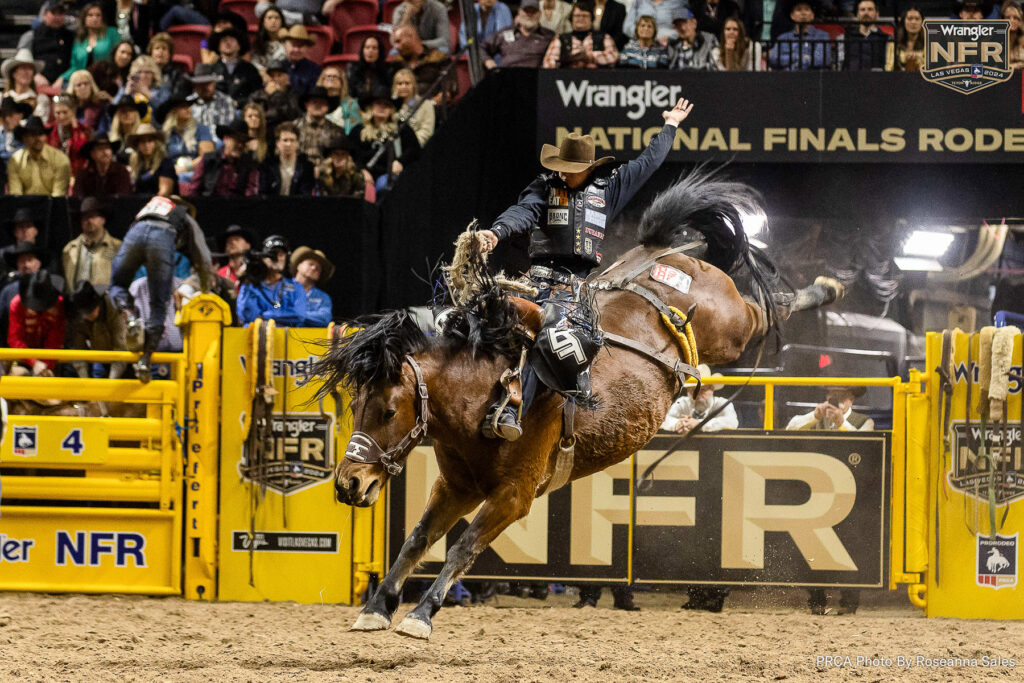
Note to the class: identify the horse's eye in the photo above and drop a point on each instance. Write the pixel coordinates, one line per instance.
(389, 415)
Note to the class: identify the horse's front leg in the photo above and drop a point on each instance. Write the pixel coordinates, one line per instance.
(445, 507)
(502, 508)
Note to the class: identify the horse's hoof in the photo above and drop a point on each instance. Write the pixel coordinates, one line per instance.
(414, 628)
(838, 289)
(371, 621)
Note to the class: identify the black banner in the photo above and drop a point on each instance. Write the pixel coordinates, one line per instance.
(750, 507)
(285, 542)
(785, 117)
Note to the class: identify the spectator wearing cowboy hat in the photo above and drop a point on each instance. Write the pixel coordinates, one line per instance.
(126, 115)
(231, 172)
(152, 172)
(302, 72)
(187, 139)
(835, 412)
(338, 174)
(380, 124)
(210, 107)
(239, 78)
(20, 73)
(50, 41)
(315, 129)
(279, 103)
(233, 243)
(37, 168)
(688, 410)
(23, 228)
(550, 209)
(11, 114)
(36, 322)
(276, 297)
(90, 256)
(312, 268)
(26, 258)
(96, 325)
(289, 172)
(103, 176)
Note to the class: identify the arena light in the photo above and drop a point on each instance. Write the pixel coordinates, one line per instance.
(915, 263)
(753, 223)
(927, 244)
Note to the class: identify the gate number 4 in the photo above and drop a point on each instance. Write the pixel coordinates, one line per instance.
(73, 442)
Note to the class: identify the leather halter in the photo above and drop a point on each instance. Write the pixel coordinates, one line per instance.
(363, 448)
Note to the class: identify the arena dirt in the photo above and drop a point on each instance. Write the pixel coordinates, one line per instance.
(761, 635)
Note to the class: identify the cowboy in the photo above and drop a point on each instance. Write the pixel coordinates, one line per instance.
(102, 176)
(231, 172)
(37, 168)
(687, 411)
(566, 213)
(239, 78)
(234, 244)
(96, 324)
(163, 226)
(22, 228)
(26, 258)
(835, 412)
(36, 322)
(302, 72)
(90, 256)
(276, 297)
(314, 129)
(311, 268)
(210, 107)
(11, 114)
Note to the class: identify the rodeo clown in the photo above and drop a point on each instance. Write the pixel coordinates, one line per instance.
(566, 213)
(163, 226)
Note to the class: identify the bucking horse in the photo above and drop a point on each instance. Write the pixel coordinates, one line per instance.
(404, 383)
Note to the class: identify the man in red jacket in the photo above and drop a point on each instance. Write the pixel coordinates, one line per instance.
(36, 322)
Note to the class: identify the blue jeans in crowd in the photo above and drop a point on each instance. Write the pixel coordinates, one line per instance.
(152, 245)
(179, 15)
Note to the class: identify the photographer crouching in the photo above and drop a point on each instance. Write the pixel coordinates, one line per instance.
(266, 292)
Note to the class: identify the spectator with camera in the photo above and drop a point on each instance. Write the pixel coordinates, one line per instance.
(90, 256)
(231, 172)
(66, 133)
(265, 292)
(312, 268)
(289, 172)
(234, 243)
(378, 144)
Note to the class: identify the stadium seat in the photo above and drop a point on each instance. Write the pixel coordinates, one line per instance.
(887, 29)
(453, 27)
(324, 41)
(834, 31)
(370, 194)
(341, 60)
(187, 39)
(185, 61)
(462, 72)
(354, 38)
(245, 8)
(388, 12)
(353, 13)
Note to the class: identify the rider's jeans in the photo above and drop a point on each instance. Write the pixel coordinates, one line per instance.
(147, 244)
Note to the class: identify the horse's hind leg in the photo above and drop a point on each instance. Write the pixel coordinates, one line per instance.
(823, 292)
(500, 510)
(444, 508)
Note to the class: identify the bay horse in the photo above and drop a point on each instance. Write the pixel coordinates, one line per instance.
(403, 382)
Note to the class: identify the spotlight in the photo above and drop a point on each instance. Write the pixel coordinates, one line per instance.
(753, 223)
(927, 244)
(914, 263)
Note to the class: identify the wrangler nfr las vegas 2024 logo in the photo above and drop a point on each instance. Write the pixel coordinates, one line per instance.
(966, 56)
(1001, 469)
(298, 455)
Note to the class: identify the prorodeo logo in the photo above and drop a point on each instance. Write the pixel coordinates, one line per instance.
(966, 56)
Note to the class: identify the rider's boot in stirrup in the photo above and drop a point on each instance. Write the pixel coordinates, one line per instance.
(502, 423)
(144, 366)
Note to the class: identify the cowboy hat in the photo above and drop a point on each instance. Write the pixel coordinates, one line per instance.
(379, 93)
(33, 125)
(303, 253)
(705, 375)
(318, 92)
(97, 140)
(37, 291)
(128, 103)
(856, 392)
(574, 155)
(213, 41)
(233, 231)
(337, 142)
(22, 56)
(10, 106)
(277, 65)
(144, 130)
(236, 128)
(89, 206)
(85, 299)
(22, 215)
(204, 73)
(298, 33)
(11, 257)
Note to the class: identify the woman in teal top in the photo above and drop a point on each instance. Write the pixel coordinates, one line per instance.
(94, 41)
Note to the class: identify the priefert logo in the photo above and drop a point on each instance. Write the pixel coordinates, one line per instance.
(637, 98)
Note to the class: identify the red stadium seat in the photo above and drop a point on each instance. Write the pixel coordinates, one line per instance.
(388, 12)
(245, 8)
(887, 29)
(185, 61)
(324, 40)
(370, 193)
(354, 38)
(353, 13)
(834, 31)
(453, 27)
(341, 60)
(187, 39)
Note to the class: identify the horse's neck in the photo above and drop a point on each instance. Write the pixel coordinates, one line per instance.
(459, 385)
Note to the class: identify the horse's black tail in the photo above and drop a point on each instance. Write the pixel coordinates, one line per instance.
(703, 202)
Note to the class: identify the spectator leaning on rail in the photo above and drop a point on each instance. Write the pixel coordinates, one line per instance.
(163, 227)
(805, 47)
(429, 18)
(289, 172)
(866, 45)
(96, 325)
(522, 45)
(690, 49)
(37, 168)
(644, 51)
(276, 297)
(90, 256)
(583, 47)
(36, 322)
(312, 268)
(549, 210)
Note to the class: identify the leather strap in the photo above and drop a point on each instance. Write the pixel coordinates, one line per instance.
(632, 274)
(676, 366)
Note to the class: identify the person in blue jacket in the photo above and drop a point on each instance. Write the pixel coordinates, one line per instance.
(275, 297)
(312, 268)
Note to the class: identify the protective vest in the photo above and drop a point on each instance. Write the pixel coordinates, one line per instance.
(573, 222)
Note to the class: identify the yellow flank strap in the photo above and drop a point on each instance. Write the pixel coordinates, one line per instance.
(687, 342)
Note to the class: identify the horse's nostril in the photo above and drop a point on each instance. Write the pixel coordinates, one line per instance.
(353, 485)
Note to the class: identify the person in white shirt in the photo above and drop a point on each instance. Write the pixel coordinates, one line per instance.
(689, 410)
(835, 413)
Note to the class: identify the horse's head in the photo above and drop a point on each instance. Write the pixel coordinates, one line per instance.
(389, 405)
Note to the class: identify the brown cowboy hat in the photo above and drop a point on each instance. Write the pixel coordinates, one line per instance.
(574, 155)
(144, 131)
(856, 392)
(297, 33)
(303, 253)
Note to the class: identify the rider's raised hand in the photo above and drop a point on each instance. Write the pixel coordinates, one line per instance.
(676, 115)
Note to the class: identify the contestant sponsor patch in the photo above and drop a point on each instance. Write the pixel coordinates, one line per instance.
(673, 277)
